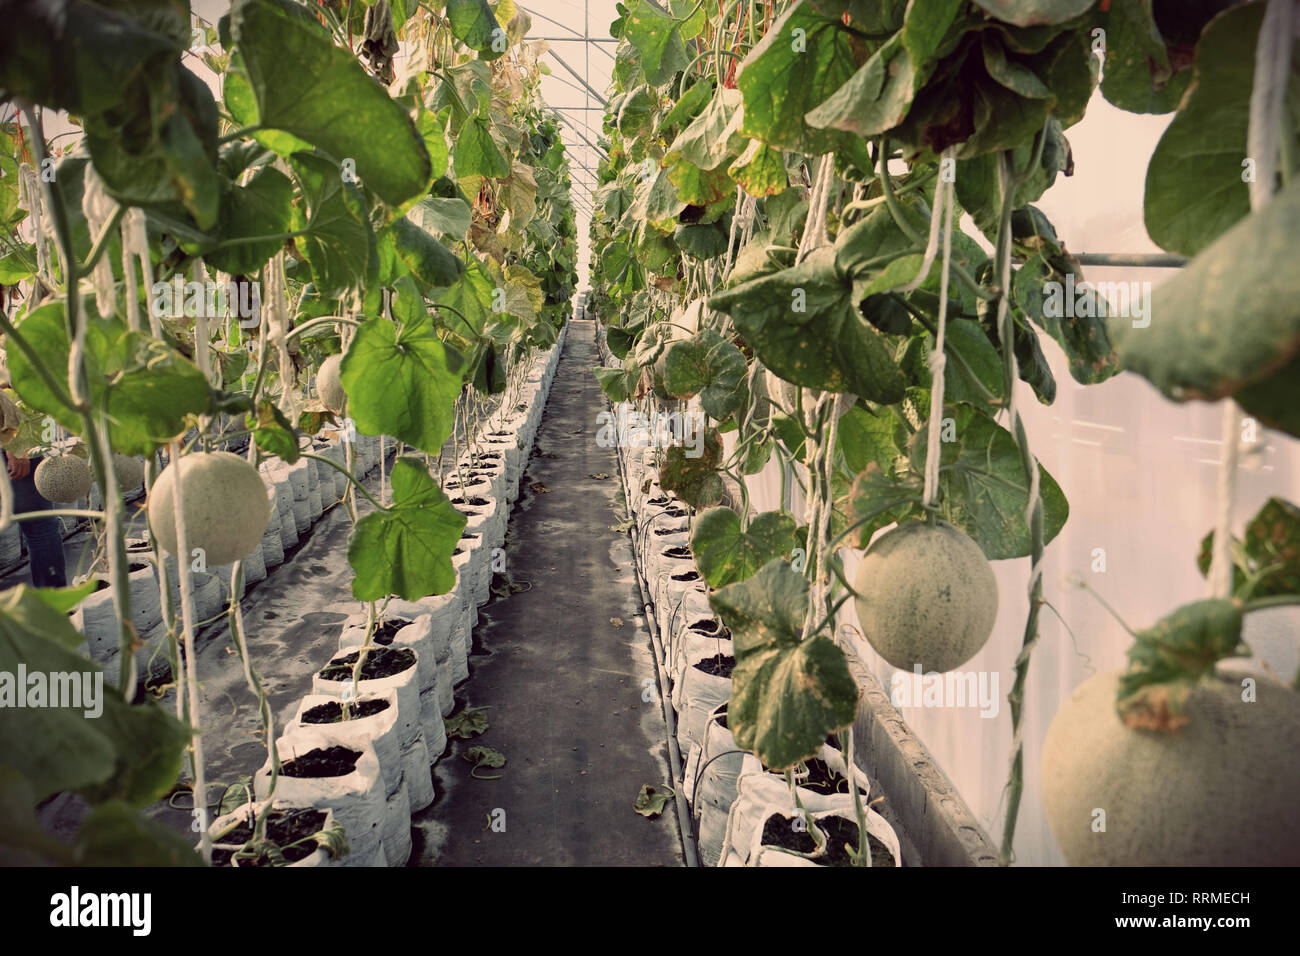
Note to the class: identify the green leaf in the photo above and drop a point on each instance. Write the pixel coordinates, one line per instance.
(303, 84)
(725, 554)
(983, 489)
(787, 74)
(876, 499)
(1269, 557)
(693, 473)
(828, 345)
(261, 208)
(1033, 13)
(1194, 186)
(333, 213)
(477, 154)
(1083, 338)
(406, 549)
(474, 25)
(702, 241)
(1169, 657)
(432, 263)
(467, 722)
(709, 366)
(788, 691)
(484, 757)
(445, 217)
(1227, 320)
(14, 267)
(660, 39)
(970, 354)
(759, 170)
(115, 835)
(1139, 75)
(650, 802)
(149, 388)
(403, 384)
(711, 137)
(273, 432)
(875, 99)
(124, 752)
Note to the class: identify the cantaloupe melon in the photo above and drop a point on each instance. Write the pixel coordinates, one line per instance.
(63, 478)
(226, 506)
(329, 386)
(1222, 790)
(129, 472)
(926, 595)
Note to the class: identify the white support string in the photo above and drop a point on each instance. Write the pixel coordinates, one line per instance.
(941, 190)
(943, 204)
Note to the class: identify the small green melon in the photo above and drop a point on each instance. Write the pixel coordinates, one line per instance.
(329, 386)
(63, 478)
(226, 506)
(1222, 790)
(129, 472)
(926, 595)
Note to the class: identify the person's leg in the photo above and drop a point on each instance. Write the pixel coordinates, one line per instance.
(43, 536)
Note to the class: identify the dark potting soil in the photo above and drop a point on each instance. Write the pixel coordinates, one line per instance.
(661, 500)
(282, 827)
(475, 502)
(322, 762)
(687, 576)
(778, 830)
(675, 512)
(678, 551)
(711, 629)
(721, 716)
(665, 531)
(841, 832)
(380, 662)
(822, 779)
(332, 713)
(718, 665)
(387, 631)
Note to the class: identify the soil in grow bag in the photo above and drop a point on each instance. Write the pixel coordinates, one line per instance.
(778, 830)
(661, 500)
(822, 779)
(687, 576)
(678, 551)
(721, 717)
(474, 502)
(387, 631)
(665, 531)
(840, 832)
(380, 662)
(322, 762)
(711, 629)
(332, 713)
(282, 827)
(717, 666)
(675, 512)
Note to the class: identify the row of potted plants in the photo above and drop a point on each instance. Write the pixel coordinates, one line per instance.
(741, 814)
(358, 750)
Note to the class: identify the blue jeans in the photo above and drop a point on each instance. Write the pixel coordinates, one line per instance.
(43, 536)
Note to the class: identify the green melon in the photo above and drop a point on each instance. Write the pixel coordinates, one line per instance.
(329, 386)
(926, 595)
(226, 506)
(129, 471)
(63, 478)
(1220, 791)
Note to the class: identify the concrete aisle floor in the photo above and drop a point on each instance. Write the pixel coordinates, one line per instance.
(563, 669)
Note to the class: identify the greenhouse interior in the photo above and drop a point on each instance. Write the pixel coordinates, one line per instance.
(736, 433)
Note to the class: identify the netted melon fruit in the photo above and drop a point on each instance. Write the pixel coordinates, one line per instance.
(129, 471)
(926, 595)
(329, 386)
(225, 501)
(1221, 790)
(63, 478)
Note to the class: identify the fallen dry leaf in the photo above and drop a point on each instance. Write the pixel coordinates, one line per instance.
(540, 488)
(616, 621)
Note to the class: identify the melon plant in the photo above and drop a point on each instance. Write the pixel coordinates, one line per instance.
(63, 478)
(926, 596)
(1221, 790)
(225, 502)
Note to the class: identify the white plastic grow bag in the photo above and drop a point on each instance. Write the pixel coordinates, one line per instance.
(406, 685)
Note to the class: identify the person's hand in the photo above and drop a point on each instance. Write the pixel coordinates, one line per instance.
(18, 467)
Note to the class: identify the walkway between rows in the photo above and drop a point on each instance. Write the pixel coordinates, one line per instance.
(562, 665)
